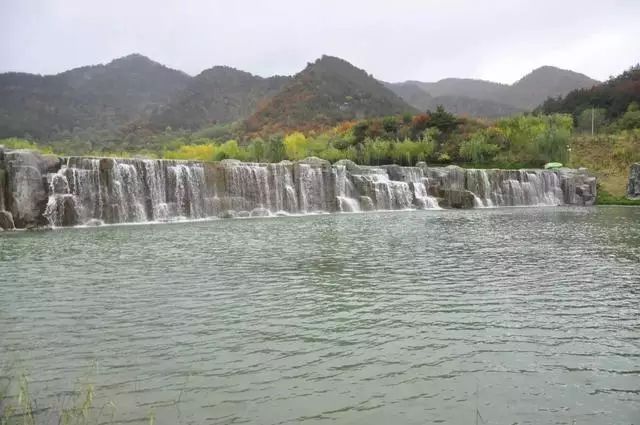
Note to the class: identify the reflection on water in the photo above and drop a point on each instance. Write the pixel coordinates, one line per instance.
(370, 318)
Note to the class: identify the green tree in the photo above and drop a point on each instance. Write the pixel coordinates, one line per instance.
(477, 149)
(256, 151)
(295, 146)
(274, 149)
(360, 131)
(443, 120)
(228, 150)
(378, 151)
(553, 142)
(390, 125)
(584, 120)
(631, 118)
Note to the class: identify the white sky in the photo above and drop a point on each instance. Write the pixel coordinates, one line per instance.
(394, 40)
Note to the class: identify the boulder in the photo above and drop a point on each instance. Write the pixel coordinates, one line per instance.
(62, 211)
(26, 192)
(260, 212)
(59, 184)
(366, 203)
(633, 188)
(453, 198)
(579, 187)
(228, 214)
(6, 221)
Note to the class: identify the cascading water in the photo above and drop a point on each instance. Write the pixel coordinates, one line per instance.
(477, 181)
(131, 190)
(125, 191)
(346, 194)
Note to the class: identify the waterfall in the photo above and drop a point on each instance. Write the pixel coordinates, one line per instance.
(284, 198)
(478, 183)
(91, 190)
(125, 191)
(311, 189)
(346, 193)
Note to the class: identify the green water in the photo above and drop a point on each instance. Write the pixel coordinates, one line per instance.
(527, 315)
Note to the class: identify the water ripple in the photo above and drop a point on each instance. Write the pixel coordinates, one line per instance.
(361, 319)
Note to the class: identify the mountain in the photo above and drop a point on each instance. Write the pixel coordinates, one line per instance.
(547, 81)
(474, 107)
(134, 92)
(217, 95)
(614, 95)
(98, 96)
(415, 93)
(327, 91)
(482, 98)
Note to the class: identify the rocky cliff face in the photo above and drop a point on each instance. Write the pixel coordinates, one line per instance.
(24, 191)
(39, 190)
(633, 189)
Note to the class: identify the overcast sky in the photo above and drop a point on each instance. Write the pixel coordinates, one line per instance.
(395, 40)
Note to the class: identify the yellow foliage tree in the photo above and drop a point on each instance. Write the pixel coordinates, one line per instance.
(295, 146)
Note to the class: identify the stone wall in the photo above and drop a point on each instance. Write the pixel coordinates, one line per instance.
(633, 188)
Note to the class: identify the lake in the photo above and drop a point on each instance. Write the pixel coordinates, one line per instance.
(514, 315)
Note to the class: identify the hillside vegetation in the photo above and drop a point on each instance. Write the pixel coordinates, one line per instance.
(479, 98)
(326, 92)
(92, 98)
(217, 95)
(610, 99)
(130, 101)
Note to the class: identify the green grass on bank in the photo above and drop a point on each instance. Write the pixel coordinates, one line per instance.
(606, 198)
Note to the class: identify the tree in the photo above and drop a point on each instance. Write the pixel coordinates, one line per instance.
(585, 117)
(631, 118)
(419, 123)
(390, 125)
(442, 119)
(295, 146)
(477, 149)
(228, 150)
(378, 150)
(274, 149)
(360, 131)
(553, 142)
(256, 150)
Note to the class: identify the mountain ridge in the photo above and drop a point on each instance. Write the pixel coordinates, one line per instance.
(134, 89)
(492, 99)
(327, 91)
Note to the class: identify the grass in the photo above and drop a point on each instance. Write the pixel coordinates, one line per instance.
(21, 408)
(609, 157)
(15, 143)
(606, 198)
(18, 406)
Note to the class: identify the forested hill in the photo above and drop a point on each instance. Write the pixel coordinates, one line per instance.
(217, 95)
(98, 97)
(481, 98)
(612, 98)
(326, 92)
(134, 95)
